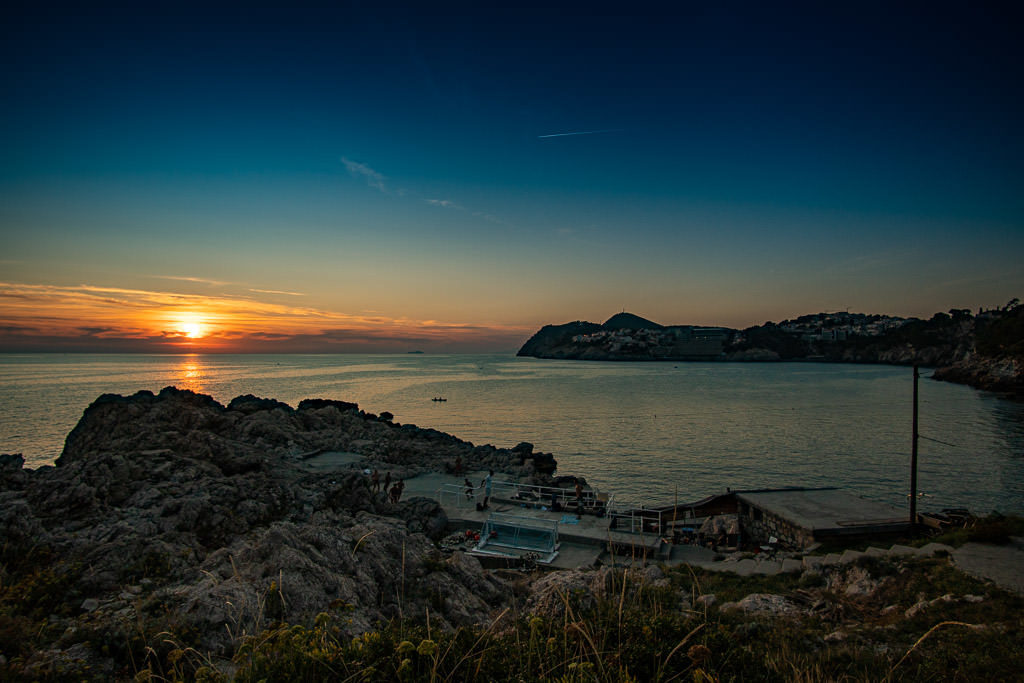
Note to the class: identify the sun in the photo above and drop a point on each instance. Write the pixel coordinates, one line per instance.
(192, 330)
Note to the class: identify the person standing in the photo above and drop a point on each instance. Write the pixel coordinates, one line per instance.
(375, 481)
(579, 500)
(487, 483)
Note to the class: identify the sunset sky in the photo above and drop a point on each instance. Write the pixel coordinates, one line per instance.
(178, 177)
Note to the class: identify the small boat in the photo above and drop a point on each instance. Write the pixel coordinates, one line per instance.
(437, 399)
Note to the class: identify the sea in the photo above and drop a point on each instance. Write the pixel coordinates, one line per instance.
(647, 433)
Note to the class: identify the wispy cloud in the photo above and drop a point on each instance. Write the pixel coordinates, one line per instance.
(445, 203)
(379, 182)
(200, 280)
(276, 291)
(449, 204)
(581, 132)
(360, 170)
(489, 218)
(87, 317)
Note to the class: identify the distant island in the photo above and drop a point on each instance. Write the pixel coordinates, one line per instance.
(984, 350)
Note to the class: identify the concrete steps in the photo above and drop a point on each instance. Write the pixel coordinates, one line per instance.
(815, 563)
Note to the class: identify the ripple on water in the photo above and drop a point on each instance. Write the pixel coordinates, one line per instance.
(643, 430)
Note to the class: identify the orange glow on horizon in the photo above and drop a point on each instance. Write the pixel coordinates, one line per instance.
(120, 318)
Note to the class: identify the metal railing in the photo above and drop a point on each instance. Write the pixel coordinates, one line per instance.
(638, 521)
(528, 494)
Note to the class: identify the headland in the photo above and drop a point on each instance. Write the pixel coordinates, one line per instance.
(985, 350)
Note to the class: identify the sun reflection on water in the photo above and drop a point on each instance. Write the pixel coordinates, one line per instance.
(190, 374)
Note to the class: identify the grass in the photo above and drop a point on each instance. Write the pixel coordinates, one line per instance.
(635, 631)
(640, 632)
(994, 529)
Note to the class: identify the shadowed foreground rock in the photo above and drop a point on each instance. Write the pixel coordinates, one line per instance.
(172, 512)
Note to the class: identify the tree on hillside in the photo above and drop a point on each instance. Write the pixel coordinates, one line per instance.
(1003, 336)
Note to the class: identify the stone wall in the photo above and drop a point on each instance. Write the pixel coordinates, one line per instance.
(759, 526)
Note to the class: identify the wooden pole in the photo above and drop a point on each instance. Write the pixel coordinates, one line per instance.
(913, 458)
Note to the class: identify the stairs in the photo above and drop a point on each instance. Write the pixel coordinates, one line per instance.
(815, 563)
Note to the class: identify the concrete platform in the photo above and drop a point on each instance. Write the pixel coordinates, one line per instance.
(583, 539)
(587, 539)
(828, 512)
(1003, 565)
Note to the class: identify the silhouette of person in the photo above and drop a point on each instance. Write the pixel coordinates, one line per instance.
(488, 483)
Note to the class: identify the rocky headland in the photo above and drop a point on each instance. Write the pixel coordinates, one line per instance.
(179, 513)
(985, 350)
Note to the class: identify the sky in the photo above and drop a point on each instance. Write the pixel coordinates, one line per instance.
(180, 177)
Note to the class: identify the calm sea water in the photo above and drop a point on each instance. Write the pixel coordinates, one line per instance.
(646, 431)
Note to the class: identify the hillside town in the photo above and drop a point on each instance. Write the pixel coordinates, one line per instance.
(840, 326)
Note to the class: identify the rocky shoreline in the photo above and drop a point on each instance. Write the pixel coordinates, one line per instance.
(983, 351)
(178, 512)
(1002, 375)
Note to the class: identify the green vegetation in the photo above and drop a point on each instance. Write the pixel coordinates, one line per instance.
(995, 528)
(650, 633)
(1004, 335)
(634, 631)
(770, 336)
(942, 339)
(920, 619)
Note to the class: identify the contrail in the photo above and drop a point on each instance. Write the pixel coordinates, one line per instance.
(582, 132)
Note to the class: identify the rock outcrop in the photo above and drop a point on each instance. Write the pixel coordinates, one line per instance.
(992, 374)
(172, 508)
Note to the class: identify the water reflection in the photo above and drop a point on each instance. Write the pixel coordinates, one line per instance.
(642, 430)
(190, 374)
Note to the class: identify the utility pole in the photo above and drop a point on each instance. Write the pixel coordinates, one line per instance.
(913, 459)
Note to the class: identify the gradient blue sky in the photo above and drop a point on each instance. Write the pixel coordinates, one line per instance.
(366, 178)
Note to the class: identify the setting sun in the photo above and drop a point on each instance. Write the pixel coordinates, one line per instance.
(190, 325)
